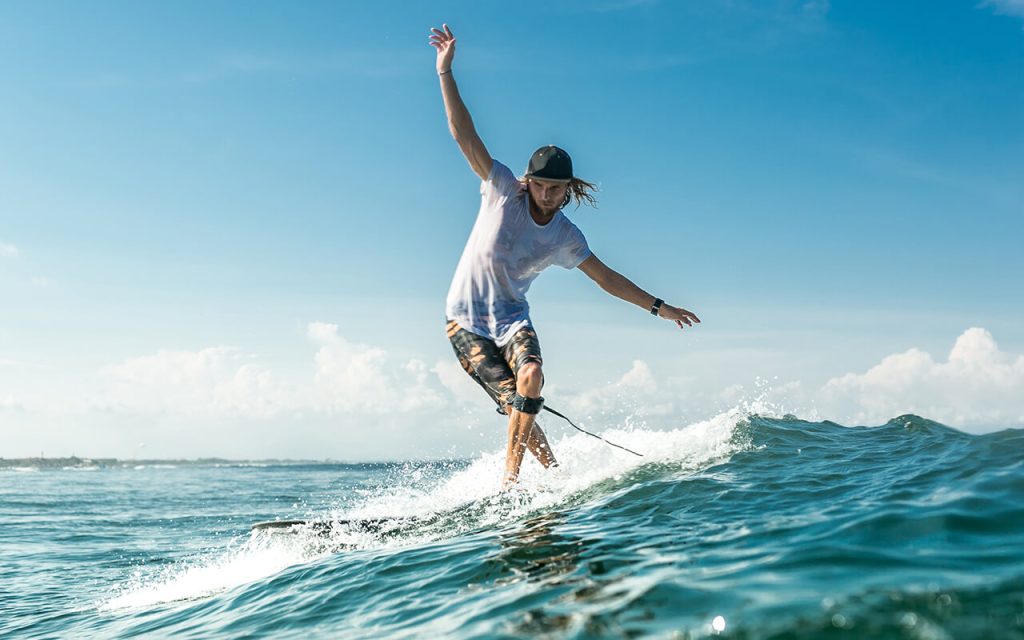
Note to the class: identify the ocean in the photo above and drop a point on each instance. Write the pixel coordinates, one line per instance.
(742, 526)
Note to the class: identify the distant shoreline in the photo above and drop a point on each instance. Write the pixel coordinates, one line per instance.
(76, 462)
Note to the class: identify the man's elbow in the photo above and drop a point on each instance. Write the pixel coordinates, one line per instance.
(459, 130)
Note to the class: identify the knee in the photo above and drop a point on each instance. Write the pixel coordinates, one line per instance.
(530, 378)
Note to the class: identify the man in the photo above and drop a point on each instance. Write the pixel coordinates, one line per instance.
(520, 230)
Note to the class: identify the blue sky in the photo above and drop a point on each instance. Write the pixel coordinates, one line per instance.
(192, 190)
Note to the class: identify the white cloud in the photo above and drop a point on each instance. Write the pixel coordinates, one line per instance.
(359, 401)
(1006, 7)
(8, 250)
(451, 375)
(352, 376)
(637, 393)
(978, 387)
(212, 381)
(221, 381)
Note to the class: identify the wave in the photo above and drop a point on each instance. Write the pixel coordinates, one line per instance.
(471, 496)
(753, 524)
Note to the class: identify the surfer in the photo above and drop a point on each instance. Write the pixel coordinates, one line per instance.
(520, 230)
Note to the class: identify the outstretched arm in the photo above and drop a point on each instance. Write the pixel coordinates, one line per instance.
(622, 287)
(459, 121)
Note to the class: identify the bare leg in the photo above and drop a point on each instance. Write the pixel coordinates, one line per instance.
(538, 445)
(522, 432)
(519, 425)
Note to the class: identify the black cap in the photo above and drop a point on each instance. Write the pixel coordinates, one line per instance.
(550, 163)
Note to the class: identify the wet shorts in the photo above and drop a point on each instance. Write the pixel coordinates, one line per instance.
(494, 368)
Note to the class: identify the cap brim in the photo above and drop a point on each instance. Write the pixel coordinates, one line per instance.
(561, 180)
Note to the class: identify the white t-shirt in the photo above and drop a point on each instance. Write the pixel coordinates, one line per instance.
(505, 252)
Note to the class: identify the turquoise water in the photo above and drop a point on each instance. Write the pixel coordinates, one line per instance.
(739, 527)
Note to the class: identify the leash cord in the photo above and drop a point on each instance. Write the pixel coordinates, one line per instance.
(547, 408)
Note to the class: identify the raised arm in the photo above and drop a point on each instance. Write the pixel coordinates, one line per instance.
(459, 121)
(622, 287)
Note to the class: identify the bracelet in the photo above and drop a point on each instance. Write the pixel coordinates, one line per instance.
(656, 307)
(444, 72)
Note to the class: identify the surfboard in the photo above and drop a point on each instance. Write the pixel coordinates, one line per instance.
(320, 527)
(383, 526)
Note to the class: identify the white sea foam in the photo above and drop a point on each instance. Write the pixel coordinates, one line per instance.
(254, 559)
(584, 461)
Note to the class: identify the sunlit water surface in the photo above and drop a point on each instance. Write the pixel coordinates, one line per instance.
(737, 527)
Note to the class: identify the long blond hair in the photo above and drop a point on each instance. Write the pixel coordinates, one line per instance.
(581, 191)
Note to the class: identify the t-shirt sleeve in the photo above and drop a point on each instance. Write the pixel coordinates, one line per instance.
(500, 183)
(574, 250)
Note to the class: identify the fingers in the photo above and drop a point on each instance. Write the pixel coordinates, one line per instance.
(682, 317)
(689, 315)
(441, 42)
(441, 36)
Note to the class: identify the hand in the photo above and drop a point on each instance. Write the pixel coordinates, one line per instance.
(444, 42)
(681, 317)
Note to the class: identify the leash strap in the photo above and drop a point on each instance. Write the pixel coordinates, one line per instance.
(547, 408)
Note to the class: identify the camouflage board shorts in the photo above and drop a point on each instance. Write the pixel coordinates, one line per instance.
(494, 368)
